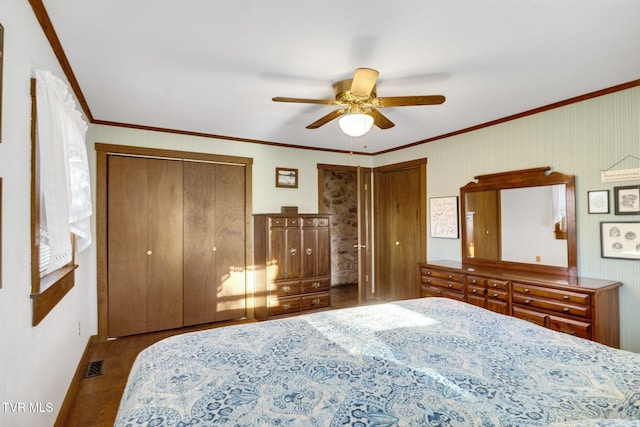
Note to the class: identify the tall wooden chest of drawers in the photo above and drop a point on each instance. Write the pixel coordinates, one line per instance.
(587, 308)
(292, 257)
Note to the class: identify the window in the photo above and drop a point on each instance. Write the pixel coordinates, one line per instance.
(60, 192)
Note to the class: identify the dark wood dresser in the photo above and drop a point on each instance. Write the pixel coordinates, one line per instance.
(292, 255)
(584, 307)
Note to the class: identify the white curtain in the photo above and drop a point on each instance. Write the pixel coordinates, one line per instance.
(64, 173)
(559, 204)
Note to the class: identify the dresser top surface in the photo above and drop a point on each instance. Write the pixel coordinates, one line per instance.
(504, 274)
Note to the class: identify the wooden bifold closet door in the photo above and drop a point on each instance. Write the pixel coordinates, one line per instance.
(176, 244)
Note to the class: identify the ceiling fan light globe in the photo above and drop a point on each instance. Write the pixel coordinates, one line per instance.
(355, 125)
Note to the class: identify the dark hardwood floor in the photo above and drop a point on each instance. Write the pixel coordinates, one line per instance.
(97, 398)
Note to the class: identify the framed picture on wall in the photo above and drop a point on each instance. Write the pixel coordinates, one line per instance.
(286, 178)
(598, 201)
(443, 217)
(620, 240)
(627, 200)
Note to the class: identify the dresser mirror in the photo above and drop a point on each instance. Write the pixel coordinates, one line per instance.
(520, 220)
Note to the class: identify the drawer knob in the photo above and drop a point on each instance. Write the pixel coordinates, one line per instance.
(286, 306)
(308, 251)
(495, 285)
(568, 331)
(565, 297)
(495, 295)
(315, 285)
(450, 277)
(451, 285)
(474, 281)
(565, 310)
(474, 291)
(428, 280)
(149, 252)
(286, 289)
(315, 301)
(526, 290)
(428, 273)
(527, 301)
(293, 251)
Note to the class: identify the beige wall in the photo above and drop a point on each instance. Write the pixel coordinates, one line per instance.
(579, 139)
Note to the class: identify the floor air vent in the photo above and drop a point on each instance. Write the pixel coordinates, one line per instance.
(94, 369)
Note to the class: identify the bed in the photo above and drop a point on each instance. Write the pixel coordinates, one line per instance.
(429, 361)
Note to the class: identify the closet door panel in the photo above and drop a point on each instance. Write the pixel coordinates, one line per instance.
(127, 246)
(200, 284)
(230, 241)
(165, 246)
(214, 242)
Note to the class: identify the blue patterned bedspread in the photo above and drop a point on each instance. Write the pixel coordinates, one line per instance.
(430, 361)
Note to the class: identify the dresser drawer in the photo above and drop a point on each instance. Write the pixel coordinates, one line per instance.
(565, 302)
(320, 284)
(434, 291)
(293, 222)
(313, 222)
(475, 290)
(283, 289)
(569, 326)
(550, 293)
(497, 284)
(498, 294)
(284, 305)
(447, 275)
(552, 305)
(530, 316)
(447, 284)
(315, 301)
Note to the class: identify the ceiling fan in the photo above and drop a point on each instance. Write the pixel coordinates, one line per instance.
(359, 99)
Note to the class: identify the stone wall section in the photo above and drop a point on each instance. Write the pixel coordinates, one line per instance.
(340, 199)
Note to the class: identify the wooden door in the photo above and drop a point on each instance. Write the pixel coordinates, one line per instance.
(316, 257)
(144, 245)
(214, 236)
(400, 224)
(293, 249)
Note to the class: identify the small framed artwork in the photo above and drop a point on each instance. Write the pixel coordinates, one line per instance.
(627, 200)
(443, 217)
(286, 178)
(620, 240)
(598, 201)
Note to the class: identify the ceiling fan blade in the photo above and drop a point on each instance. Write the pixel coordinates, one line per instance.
(380, 120)
(326, 119)
(364, 79)
(304, 100)
(403, 101)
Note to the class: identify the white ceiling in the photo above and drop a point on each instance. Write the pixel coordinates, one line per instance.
(212, 66)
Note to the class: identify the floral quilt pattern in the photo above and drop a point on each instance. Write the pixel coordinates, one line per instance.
(430, 361)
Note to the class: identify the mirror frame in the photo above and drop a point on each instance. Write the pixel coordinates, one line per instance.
(520, 179)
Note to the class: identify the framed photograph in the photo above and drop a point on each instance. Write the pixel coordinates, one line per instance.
(627, 200)
(443, 217)
(286, 178)
(598, 201)
(620, 240)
